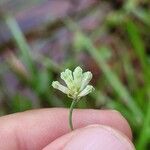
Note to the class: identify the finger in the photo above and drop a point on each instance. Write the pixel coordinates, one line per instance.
(35, 129)
(97, 137)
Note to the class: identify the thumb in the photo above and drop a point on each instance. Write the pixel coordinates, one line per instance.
(94, 137)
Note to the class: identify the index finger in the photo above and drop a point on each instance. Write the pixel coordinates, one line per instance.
(35, 129)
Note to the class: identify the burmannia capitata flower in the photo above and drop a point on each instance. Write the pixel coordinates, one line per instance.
(76, 83)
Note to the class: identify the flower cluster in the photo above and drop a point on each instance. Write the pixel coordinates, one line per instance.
(77, 83)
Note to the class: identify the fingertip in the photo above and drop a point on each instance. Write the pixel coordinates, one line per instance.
(99, 137)
(123, 123)
(96, 137)
(114, 119)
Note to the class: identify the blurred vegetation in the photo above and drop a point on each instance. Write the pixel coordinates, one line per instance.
(117, 51)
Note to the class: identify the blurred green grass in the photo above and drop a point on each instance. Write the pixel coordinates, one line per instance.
(129, 94)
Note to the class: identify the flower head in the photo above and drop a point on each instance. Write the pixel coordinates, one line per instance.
(76, 83)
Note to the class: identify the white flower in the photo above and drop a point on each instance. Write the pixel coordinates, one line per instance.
(77, 83)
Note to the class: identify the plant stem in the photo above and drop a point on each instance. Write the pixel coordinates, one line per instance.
(20, 41)
(70, 113)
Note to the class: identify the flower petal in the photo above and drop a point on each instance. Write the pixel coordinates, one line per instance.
(77, 75)
(88, 89)
(60, 87)
(87, 76)
(68, 78)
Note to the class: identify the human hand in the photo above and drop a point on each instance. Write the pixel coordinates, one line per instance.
(48, 129)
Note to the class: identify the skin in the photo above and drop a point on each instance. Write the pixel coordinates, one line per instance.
(48, 129)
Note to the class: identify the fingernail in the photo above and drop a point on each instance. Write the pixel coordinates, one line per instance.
(99, 137)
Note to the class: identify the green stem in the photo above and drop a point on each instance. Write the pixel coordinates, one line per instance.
(70, 113)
